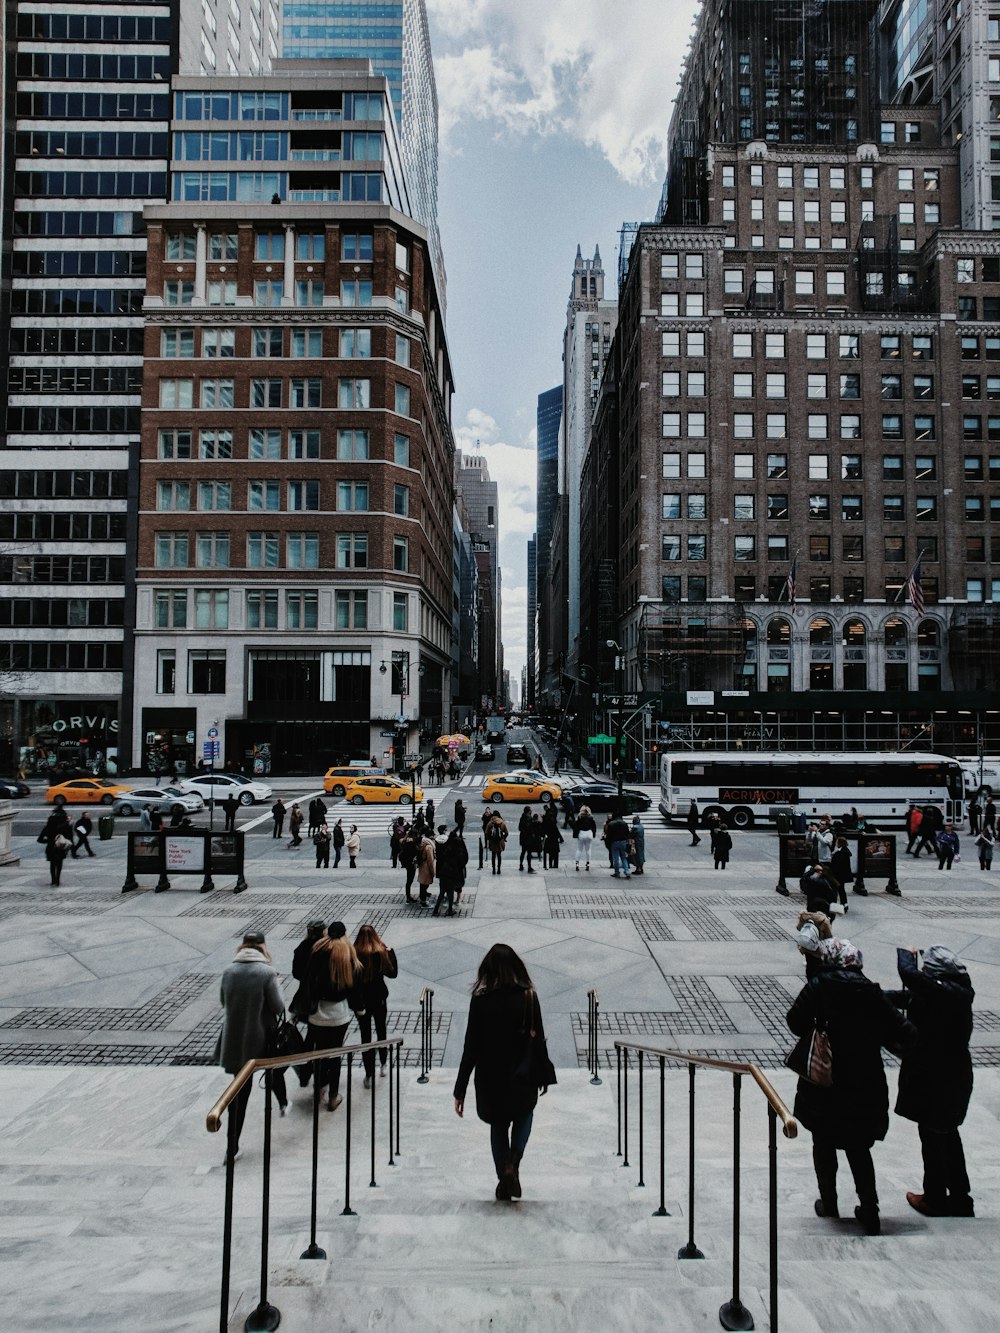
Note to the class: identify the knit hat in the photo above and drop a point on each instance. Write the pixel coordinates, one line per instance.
(253, 937)
(808, 938)
(316, 927)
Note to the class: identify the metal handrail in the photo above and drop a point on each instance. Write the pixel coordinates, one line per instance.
(733, 1314)
(426, 1004)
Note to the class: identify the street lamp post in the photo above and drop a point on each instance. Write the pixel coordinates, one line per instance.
(619, 716)
(401, 664)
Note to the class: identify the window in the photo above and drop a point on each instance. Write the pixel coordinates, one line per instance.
(219, 393)
(906, 215)
(892, 427)
(819, 506)
(268, 293)
(670, 304)
(671, 424)
(352, 495)
(815, 385)
(669, 265)
(974, 512)
(775, 385)
(805, 282)
(728, 178)
(923, 386)
(308, 292)
(263, 495)
(670, 343)
(697, 506)
(774, 346)
(306, 393)
(852, 508)
(965, 270)
(743, 467)
(304, 495)
(777, 426)
(694, 304)
(851, 467)
(670, 383)
(356, 293)
(743, 507)
(355, 343)
(925, 466)
(973, 467)
(176, 393)
(352, 444)
(894, 550)
(838, 178)
(211, 550)
(304, 443)
(892, 508)
(170, 608)
(302, 550)
(309, 245)
(777, 548)
(269, 245)
(671, 466)
(927, 508)
(262, 550)
(262, 609)
(924, 428)
(904, 178)
(819, 467)
(307, 342)
(178, 293)
(733, 280)
(206, 672)
(223, 245)
(742, 385)
(777, 466)
(217, 495)
(220, 293)
(301, 610)
(838, 212)
(696, 384)
(351, 610)
(354, 246)
(810, 178)
(815, 346)
(177, 342)
(698, 585)
(265, 444)
(266, 342)
(745, 548)
(401, 450)
(810, 210)
(818, 425)
(400, 611)
(670, 547)
(742, 345)
(402, 350)
(173, 495)
(670, 505)
(892, 386)
(696, 464)
(694, 266)
(854, 548)
(819, 549)
(211, 608)
(354, 393)
(742, 425)
(786, 210)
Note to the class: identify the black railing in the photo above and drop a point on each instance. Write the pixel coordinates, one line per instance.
(426, 1033)
(593, 1018)
(733, 1314)
(267, 1316)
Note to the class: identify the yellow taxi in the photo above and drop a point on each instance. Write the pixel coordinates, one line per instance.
(85, 791)
(336, 779)
(380, 790)
(520, 787)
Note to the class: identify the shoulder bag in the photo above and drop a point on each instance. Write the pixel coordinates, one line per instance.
(812, 1056)
(534, 1070)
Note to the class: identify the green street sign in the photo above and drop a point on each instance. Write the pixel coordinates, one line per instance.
(600, 739)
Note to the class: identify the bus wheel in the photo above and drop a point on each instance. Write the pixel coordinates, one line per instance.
(741, 817)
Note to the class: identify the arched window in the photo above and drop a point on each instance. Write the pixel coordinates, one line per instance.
(855, 634)
(897, 654)
(855, 667)
(820, 632)
(779, 631)
(928, 634)
(895, 633)
(929, 645)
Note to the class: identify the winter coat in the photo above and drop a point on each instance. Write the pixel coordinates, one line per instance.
(693, 816)
(935, 1078)
(823, 846)
(353, 845)
(496, 834)
(638, 836)
(495, 1039)
(426, 862)
(321, 988)
(914, 818)
(860, 1021)
(933, 821)
(616, 830)
(947, 842)
(551, 837)
(338, 835)
(371, 979)
(584, 824)
(56, 826)
(840, 864)
(524, 835)
(452, 857)
(251, 999)
(722, 844)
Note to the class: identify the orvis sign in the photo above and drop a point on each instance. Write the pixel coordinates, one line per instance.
(86, 722)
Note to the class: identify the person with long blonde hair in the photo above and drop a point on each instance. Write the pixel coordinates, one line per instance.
(378, 962)
(334, 995)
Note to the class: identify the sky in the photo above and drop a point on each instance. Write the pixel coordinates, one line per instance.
(553, 122)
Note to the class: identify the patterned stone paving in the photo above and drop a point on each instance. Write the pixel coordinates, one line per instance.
(763, 927)
(701, 921)
(157, 1012)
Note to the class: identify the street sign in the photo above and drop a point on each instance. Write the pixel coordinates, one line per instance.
(387, 733)
(631, 700)
(210, 750)
(212, 733)
(600, 739)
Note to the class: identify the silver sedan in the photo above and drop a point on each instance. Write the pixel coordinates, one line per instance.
(158, 800)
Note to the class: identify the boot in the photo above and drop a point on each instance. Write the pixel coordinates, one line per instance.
(510, 1175)
(869, 1219)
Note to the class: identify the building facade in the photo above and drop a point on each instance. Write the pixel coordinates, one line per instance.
(294, 582)
(552, 621)
(478, 498)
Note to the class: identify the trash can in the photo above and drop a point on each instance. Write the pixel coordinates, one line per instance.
(798, 821)
(105, 827)
(783, 820)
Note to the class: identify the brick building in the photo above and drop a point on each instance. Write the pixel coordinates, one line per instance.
(294, 569)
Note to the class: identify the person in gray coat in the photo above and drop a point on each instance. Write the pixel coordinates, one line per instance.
(252, 1003)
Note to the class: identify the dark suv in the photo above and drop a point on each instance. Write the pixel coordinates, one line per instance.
(517, 754)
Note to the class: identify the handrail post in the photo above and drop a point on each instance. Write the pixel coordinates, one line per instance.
(424, 997)
(642, 1123)
(227, 1225)
(595, 1062)
(625, 1111)
(347, 1210)
(392, 1050)
(690, 1250)
(399, 1066)
(772, 1211)
(266, 1316)
(662, 1210)
(430, 1032)
(312, 1250)
(618, 1055)
(734, 1314)
(372, 1184)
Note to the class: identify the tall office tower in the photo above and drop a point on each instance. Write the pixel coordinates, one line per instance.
(948, 52)
(802, 380)
(548, 416)
(294, 570)
(591, 320)
(84, 148)
(479, 496)
(396, 38)
(528, 691)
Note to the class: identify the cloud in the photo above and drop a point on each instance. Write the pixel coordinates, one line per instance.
(565, 67)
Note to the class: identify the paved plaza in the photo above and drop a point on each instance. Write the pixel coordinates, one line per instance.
(109, 1013)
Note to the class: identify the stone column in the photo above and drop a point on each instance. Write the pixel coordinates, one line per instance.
(200, 258)
(7, 857)
(289, 278)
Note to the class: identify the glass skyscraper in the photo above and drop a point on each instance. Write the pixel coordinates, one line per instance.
(395, 37)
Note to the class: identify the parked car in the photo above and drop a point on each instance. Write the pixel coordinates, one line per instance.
(484, 750)
(381, 791)
(520, 787)
(85, 791)
(517, 754)
(161, 800)
(13, 789)
(602, 797)
(215, 787)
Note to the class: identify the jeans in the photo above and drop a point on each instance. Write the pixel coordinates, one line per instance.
(321, 1037)
(379, 1014)
(619, 857)
(336, 857)
(496, 859)
(509, 1139)
(944, 1166)
(82, 840)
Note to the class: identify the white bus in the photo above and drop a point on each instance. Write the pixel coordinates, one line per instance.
(746, 788)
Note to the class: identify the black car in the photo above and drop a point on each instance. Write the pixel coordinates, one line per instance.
(602, 797)
(13, 789)
(517, 754)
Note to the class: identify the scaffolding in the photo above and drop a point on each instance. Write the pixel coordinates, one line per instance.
(691, 646)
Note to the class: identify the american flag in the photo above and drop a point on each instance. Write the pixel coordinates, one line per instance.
(790, 581)
(914, 591)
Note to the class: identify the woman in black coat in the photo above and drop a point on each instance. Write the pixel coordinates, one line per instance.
(452, 858)
(503, 1011)
(935, 1079)
(854, 1112)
